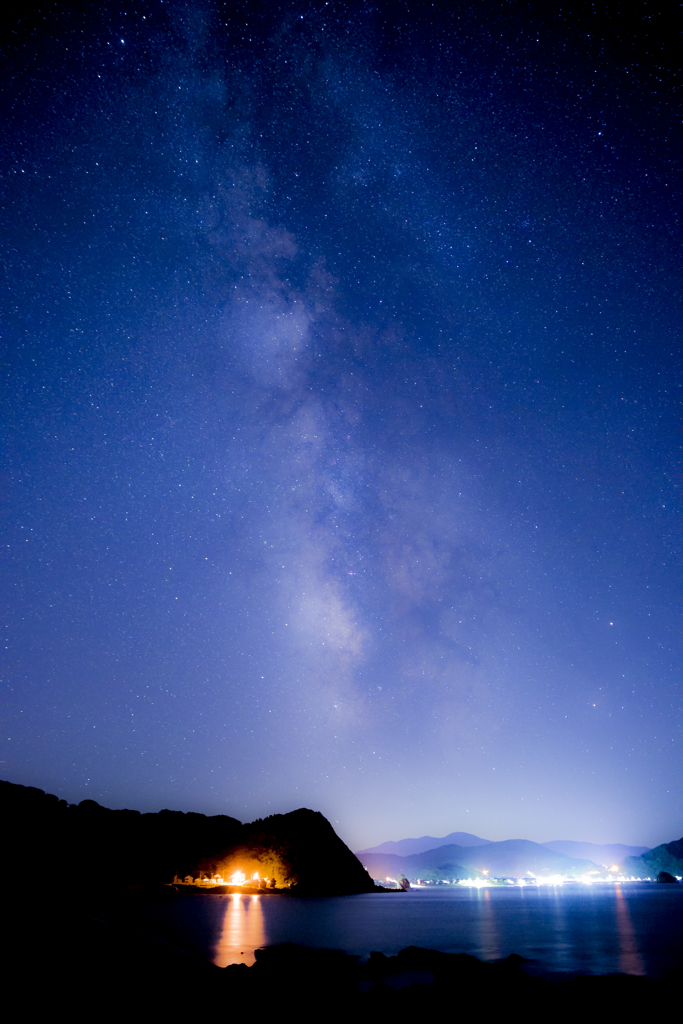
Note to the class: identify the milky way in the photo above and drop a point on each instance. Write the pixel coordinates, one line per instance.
(342, 345)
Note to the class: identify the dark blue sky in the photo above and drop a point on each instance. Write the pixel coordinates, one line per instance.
(342, 351)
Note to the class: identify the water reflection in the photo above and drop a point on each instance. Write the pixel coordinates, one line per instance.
(489, 932)
(561, 937)
(487, 943)
(243, 931)
(630, 960)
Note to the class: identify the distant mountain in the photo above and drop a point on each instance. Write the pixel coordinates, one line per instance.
(667, 857)
(513, 858)
(407, 847)
(605, 856)
(388, 865)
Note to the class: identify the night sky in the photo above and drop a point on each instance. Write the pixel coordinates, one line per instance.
(341, 349)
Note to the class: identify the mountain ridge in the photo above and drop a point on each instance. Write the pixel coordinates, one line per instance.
(605, 854)
(510, 858)
(407, 847)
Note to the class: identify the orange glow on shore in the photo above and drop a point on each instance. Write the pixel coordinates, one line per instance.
(259, 868)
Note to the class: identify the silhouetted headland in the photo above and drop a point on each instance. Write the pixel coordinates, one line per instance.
(89, 845)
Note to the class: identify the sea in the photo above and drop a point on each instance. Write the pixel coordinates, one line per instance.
(603, 928)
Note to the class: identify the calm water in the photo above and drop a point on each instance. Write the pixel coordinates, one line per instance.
(633, 928)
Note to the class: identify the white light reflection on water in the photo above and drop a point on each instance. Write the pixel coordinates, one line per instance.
(630, 960)
(489, 938)
(563, 939)
(243, 931)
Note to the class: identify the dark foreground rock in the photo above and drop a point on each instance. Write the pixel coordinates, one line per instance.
(88, 969)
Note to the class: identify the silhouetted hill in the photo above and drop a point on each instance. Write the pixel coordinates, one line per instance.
(388, 865)
(92, 844)
(407, 847)
(300, 849)
(511, 858)
(89, 841)
(667, 857)
(606, 855)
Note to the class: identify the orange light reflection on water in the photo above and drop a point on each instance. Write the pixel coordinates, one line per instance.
(243, 931)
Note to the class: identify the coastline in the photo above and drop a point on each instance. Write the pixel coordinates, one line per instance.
(186, 889)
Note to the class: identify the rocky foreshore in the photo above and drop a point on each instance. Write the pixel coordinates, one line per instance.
(419, 981)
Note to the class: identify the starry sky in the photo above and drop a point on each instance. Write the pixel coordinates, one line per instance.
(341, 351)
